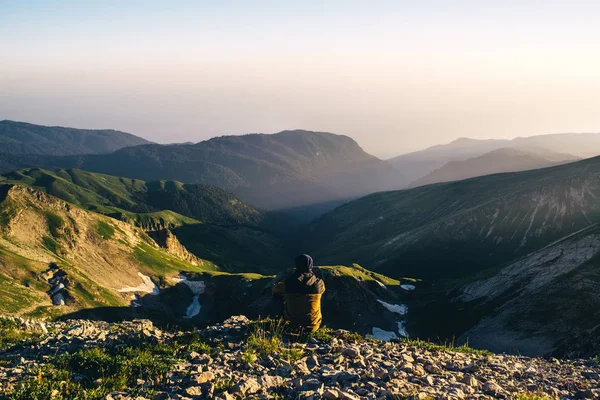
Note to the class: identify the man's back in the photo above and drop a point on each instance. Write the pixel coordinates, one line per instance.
(302, 293)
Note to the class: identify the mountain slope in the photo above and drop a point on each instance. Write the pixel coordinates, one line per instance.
(24, 138)
(508, 260)
(54, 252)
(209, 222)
(470, 223)
(112, 195)
(418, 164)
(496, 161)
(288, 169)
(60, 260)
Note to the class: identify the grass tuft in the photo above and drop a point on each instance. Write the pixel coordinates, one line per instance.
(445, 347)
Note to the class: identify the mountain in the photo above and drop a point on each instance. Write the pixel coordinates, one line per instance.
(418, 164)
(494, 252)
(56, 253)
(210, 222)
(284, 170)
(24, 138)
(62, 260)
(122, 197)
(496, 161)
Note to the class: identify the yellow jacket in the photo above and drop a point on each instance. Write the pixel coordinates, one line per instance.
(302, 295)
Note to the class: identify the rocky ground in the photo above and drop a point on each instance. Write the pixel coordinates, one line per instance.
(244, 359)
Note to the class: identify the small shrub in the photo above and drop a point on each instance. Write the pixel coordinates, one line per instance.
(55, 224)
(249, 356)
(293, 353)
(224, 385)
(266, 336)
(323, 334)
(51, 244)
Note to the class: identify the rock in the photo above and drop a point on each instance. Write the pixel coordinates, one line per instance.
(345, 377)
(331, 394)
(312, 385)
(469, 380)
(456, 393)
(203, 378)
(584, 394)
(351, 352)
(492, 387)
(247, 387)
(268, 381)
(349, 396)
(193, 391)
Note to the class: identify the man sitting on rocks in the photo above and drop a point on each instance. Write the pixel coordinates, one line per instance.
(302, 292)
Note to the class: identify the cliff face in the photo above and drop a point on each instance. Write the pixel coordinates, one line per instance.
(165, 239)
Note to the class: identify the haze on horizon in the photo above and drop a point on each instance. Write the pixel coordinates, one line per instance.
(395, 75)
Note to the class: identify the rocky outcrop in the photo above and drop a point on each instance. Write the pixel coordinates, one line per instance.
(57, 278)
(165, 239)
(339, 365)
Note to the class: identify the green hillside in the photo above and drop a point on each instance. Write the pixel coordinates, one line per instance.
(209, 222)
(113, 195)
(459, 228)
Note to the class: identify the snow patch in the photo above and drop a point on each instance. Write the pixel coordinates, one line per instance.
(408, 287)
(147, 286)
(402, 329)
(380, 334)
(194, 308)
(401, 309)
(197, 288)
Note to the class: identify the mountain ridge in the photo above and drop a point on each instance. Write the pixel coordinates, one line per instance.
(25, 138)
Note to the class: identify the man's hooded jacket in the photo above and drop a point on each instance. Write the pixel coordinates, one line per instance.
(302, 292)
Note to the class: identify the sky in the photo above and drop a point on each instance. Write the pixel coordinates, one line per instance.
(397, 76)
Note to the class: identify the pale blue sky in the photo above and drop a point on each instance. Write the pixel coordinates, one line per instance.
(395, 75)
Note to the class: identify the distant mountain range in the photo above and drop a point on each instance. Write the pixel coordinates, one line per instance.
(496, 161)
(568, 146)
(284, 170)
(24, 138)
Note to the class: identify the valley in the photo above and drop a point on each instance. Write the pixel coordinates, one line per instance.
(471, 260)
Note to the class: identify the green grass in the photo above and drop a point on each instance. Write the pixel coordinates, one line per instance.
(92, 373)
(323, 334)
(12, 334)
(105, 230)
(159, 262)
(433, 347)
(359, 273)
(266, 336)
(249, 356)
(533, 396)
(51, 244)
(55, 224)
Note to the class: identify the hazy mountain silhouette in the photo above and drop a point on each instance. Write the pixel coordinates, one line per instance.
(496, 161)
(283, 170)
(25, 138)
(417, 165)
